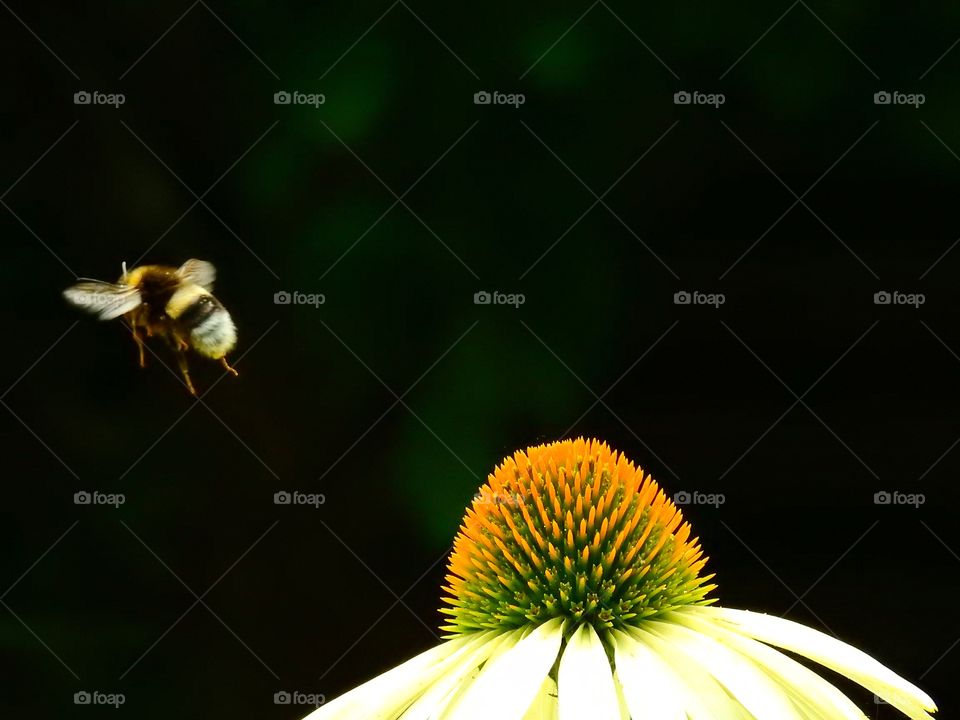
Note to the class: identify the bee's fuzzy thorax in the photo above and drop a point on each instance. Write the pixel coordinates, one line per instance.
(184, 298)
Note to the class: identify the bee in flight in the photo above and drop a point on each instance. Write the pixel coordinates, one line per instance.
(173, 303)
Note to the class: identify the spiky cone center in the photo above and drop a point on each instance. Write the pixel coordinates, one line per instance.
(572, 530)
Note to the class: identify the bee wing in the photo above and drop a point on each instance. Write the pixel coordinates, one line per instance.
(104, 299)
(199, 272)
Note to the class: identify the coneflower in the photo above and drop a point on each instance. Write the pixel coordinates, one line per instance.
(575, 591)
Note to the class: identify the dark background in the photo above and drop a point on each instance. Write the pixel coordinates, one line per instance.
(398, 395)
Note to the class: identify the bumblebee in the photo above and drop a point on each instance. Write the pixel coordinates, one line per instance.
(175, 304)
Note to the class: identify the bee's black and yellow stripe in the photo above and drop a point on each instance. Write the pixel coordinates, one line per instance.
(201, 317)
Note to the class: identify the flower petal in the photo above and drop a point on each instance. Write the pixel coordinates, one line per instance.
(505, 642)
(830, 652)
(651, 689)
(545, 705)
(751, 686)
(459, 674)
(585, 679)
(702, 696)
(621, 700)
(805, 686)
(509, 683)
(388, 695)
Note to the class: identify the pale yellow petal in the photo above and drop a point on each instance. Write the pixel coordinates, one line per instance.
(702, 696)
(509, 683)
(751, 686)
(651, 689)
(621, 698)
(585, 679)
(503, 643)
(544, 706)
(460, 671)
(830, 652)
(805, 685)
(386, 696)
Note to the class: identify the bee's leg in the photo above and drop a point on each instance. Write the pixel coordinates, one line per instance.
(185, 371)
(176, 339)
(226, 365)
(138, 339)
